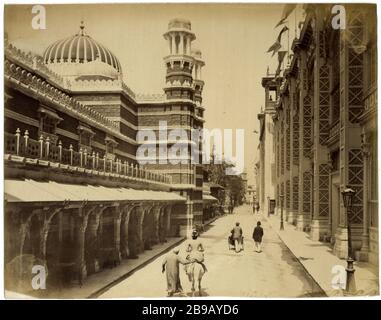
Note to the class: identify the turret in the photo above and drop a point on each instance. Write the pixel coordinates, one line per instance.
(198, 83)
(179, 62)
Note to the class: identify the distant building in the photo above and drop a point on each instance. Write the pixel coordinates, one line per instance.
(266, 165)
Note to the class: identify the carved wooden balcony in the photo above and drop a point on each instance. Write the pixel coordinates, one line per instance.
(23, 149)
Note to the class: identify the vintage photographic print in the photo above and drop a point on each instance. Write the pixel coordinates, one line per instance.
(181, 150)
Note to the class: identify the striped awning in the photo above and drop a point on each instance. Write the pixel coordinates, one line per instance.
(50, 191)
(208, 197)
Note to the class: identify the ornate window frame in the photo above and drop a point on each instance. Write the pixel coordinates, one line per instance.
(47, 114)
(84, 132)
(111, 144)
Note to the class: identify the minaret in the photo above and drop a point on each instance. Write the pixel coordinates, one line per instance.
(179, 62)
(198, 83)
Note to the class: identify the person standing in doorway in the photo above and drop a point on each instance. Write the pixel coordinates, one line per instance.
(257, 236)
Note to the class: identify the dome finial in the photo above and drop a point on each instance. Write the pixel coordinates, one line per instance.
(82, 26)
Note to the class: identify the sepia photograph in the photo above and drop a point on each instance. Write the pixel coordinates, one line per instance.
(190, 150)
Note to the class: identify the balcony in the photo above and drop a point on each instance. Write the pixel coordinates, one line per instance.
(334, 133)
(370, 105)
(22, 149)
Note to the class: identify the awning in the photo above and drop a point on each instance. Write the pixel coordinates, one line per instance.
(50, 191)
(208, 197)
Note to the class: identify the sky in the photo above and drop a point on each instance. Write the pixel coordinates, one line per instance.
(233, 39)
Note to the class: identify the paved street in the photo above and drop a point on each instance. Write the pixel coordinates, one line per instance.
(273, 273)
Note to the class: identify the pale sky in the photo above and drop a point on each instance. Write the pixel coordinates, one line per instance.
(233, 39)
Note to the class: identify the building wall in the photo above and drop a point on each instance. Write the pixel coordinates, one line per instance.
(324, 125)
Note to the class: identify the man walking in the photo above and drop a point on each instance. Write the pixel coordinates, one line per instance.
(171, 266)
(237, 237)
(257, 236)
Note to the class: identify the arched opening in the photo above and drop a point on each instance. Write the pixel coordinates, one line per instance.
(33, 237)
(107, 236)
(53, 253)
(67, 234)
(177, 43)
(124, 249)
(14, 234)
(92, 243)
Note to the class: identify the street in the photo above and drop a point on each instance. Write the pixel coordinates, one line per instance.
(273, 273)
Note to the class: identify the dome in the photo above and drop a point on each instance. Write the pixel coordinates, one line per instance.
(80, 49)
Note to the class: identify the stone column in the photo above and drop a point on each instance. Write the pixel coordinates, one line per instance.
(93, 240)
(321, 107)
(181, 45)
(24, 228)
(117, 221)
(82, 270)
(170, 44)
(156, 226)
(162, 230)
(140, 212)
(125, 252)
(168, 210)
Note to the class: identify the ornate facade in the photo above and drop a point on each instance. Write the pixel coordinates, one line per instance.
(76, 198)
(325, 130)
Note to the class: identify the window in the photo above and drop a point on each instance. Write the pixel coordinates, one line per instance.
(111, 144)
(85, 140)
(85, 136)
(49, 125)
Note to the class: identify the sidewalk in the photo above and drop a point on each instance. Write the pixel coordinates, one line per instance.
(318, 260)
(99, 282)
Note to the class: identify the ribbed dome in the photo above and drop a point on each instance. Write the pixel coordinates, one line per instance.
(80, 48)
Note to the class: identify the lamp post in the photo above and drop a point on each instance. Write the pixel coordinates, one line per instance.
(348, 194)
(281, 212)
(268, 206)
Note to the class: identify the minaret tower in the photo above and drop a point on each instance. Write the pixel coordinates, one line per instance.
(179, 62)
(198, 83)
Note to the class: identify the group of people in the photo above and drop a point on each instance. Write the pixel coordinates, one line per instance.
(256, 207)
(171, 264)
(236, 237)
(195, 255)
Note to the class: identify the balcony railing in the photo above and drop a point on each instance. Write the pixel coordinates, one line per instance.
(370, 99)
(23, 146)
(334, 130)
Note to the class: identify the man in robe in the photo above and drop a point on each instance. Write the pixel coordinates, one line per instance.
(171, 266)
(195, 250)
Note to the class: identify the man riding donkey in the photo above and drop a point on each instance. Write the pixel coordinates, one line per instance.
(195, 250)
